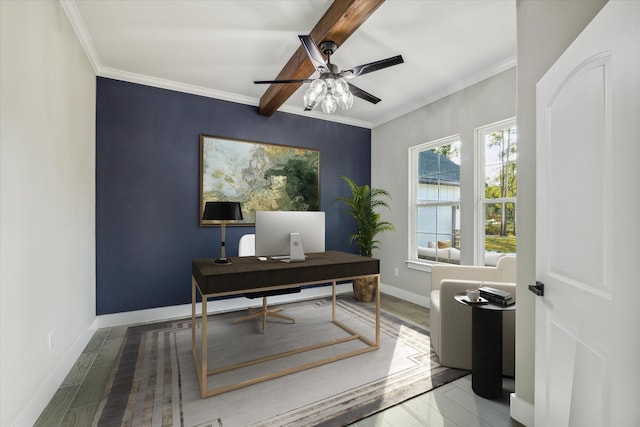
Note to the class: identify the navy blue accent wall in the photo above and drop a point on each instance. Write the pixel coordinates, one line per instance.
(147, 183)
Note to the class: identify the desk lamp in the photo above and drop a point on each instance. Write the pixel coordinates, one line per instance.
(223, 212)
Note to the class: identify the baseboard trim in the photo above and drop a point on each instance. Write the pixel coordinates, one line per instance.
(239, 303)
(405, 295)
(30, 413)
(521, 410)
(213, 307)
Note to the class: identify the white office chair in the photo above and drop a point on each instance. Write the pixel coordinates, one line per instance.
(247, 247)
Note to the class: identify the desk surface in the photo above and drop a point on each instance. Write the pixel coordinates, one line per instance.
(249, 273)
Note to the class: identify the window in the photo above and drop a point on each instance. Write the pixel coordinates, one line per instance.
(436, 193)
(497, 191)
(435, 216)
(435, 198)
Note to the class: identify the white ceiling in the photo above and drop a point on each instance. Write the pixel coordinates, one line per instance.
(218, 48)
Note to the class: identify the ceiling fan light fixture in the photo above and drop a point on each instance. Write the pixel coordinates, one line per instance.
(330, 93)
(331, 88)
(314, 94)
(329, 104)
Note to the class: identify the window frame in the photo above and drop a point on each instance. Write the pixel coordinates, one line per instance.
(413, 261)
(480, 200)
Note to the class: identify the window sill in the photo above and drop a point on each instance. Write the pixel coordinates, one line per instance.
(419, 265)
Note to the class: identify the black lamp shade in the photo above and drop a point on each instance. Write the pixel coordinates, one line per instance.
(222, 211)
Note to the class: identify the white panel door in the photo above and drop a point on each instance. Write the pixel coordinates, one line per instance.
(587, 356)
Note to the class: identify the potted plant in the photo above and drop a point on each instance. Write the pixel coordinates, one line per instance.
(362, 206)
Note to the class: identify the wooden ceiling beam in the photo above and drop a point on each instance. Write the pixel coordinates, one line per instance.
(341, 20)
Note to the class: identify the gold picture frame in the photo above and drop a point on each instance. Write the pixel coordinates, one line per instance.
(261, 176)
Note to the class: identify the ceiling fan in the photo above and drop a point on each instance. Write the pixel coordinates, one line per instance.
(331, 89)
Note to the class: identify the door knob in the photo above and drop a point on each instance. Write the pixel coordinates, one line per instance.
(537, 289)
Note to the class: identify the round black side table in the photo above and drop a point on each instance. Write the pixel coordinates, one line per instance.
(486, 346)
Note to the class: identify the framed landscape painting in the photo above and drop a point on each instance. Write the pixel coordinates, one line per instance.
(260, 176)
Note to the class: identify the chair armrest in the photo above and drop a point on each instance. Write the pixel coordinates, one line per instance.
(462, 272)
(454, 324)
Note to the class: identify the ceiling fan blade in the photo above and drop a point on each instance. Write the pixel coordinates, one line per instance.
(314, 54)
(356, 91)
(372, 66)
(259, 82)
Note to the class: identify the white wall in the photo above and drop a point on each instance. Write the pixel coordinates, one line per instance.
(487, 102)
(47, 204)
(545, 29)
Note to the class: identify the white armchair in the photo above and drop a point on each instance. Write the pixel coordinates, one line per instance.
(450, 321)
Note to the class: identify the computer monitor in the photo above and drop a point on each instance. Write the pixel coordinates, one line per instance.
(278, 231)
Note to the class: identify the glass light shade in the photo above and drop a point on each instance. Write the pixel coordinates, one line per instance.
(314, 94)
(329, 104)
(345, 100)
(340, 90)
(319, 86)
(329, 81)
(340, 86)
(330, 94)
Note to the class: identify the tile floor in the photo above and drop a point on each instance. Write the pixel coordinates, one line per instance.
(453, 404)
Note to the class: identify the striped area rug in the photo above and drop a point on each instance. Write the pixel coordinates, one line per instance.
(154, 381)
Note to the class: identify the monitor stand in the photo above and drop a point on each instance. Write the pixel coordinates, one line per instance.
(296, 252)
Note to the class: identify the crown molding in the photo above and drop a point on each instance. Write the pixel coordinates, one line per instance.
(75, 18)
(77, 23)
(224, 96)
(146, 80)
(446, 91)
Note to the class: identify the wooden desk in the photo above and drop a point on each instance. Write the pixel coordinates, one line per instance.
(248, 274)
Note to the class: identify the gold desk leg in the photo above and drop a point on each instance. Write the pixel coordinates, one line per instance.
(378, 311)
(333, 314)
(193, 316)
(194, 347)
(203, 361)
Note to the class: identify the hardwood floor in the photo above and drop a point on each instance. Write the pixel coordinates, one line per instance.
(76, 401)
(454, 404)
